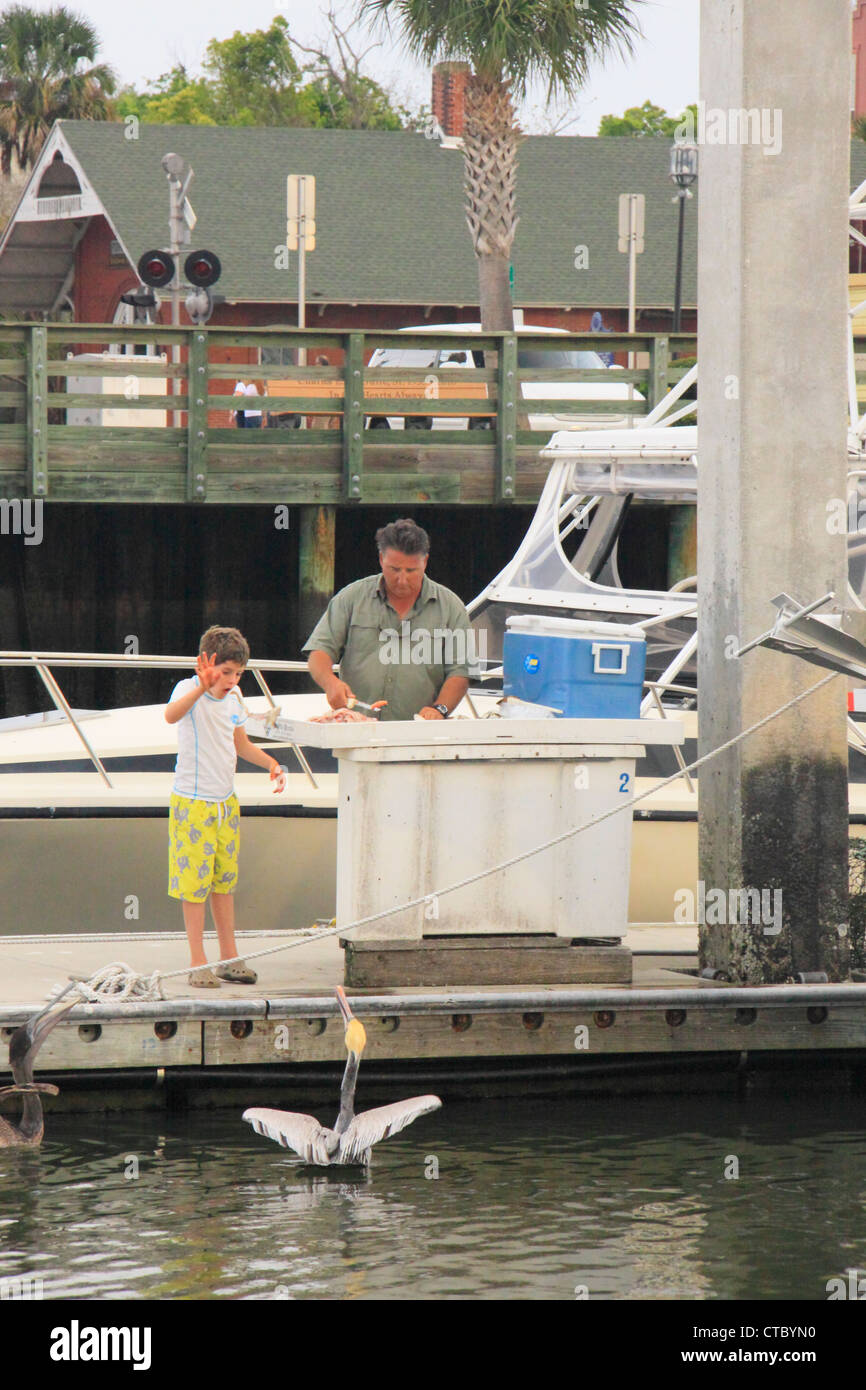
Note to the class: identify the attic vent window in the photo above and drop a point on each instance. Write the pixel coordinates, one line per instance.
(58, 207)
(116, 254)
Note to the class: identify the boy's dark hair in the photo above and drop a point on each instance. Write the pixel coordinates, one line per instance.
(226, 644)
(405, 536)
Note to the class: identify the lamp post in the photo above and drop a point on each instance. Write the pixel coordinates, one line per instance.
(682, 543)
(684, 171)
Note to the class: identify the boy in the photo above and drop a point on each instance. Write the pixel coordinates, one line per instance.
(204, 820)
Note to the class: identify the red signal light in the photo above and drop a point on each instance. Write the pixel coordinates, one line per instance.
(156, 268)
(202, 269)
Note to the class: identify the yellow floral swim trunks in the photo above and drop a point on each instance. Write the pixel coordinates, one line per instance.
(203, 843)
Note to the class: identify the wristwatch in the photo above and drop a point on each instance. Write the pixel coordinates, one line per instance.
(443, 710)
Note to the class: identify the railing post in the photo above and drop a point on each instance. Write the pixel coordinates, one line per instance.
(506, 419)
(196, 416)
(657, 384)
(37, 410)
(353, 419)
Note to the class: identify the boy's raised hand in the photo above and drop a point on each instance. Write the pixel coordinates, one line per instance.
(207, 670)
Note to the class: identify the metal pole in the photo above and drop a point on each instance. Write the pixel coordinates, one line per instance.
(62, 704)
(174, 246)
(447, 1002)
(265, 688)
(302, 265)
(678, 287)
(632, 285)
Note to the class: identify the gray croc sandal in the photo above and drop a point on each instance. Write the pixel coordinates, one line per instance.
(203, 978)
(238, 974)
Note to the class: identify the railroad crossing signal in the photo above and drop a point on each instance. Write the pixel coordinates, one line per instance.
(201, 269)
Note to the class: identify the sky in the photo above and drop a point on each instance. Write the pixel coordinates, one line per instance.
(142, 41)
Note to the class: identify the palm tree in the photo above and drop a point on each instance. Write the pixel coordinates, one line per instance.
(509, 44)
(44, 77)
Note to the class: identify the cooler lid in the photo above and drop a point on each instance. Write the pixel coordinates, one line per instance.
(539, 625)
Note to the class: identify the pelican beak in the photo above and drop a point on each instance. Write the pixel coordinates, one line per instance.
(27, 1040)
(40, 1025)
(344, 1006)
(356, 1037)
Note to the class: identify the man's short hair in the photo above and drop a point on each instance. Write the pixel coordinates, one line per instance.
(405, 536)
(225, 644)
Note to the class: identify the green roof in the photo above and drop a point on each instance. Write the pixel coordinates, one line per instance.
(389, 212)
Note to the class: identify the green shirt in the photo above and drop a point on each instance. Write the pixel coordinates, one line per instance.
(384, 657)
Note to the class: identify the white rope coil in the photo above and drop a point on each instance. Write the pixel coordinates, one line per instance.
(116, 982)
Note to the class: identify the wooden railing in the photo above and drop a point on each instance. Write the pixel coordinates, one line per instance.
(158, 425)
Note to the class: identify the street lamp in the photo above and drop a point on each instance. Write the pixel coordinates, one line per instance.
(684, 171)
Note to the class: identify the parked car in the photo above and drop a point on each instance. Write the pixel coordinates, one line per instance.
(530, 357)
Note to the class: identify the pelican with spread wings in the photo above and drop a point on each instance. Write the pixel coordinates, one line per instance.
(353, 1136)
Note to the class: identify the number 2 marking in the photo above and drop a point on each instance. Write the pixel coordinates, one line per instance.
(623, 781)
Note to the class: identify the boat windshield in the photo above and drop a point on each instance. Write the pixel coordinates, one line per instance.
(558, 360)
(403, 357)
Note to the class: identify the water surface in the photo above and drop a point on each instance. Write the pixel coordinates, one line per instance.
(625, 1199)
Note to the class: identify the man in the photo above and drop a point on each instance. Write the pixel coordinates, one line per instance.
(397, 636)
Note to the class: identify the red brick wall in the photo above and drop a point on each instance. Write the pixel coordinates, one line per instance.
(448, 96)
(858, 40)
(98, 284)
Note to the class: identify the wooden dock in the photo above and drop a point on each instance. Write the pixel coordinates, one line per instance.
(669, 1030)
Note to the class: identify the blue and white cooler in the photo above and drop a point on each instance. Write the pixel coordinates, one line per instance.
(584, 670)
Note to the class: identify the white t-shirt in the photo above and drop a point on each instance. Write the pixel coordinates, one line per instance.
(206, 754)
(250, 390)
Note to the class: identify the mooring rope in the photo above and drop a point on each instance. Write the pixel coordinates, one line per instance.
(118, 982)
(122, 990)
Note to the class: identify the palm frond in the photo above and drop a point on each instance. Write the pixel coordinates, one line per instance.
(47, 61)
(514, 41)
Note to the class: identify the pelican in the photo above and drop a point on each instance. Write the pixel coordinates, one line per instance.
(23, 1047)
(353, 1136)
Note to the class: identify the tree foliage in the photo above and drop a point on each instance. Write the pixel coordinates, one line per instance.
(514, 41)
(255, 79)
(47, 73)
(645, 120)
(175, 98)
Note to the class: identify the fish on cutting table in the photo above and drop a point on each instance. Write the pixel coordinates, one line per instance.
(353, 713)
(342, 716)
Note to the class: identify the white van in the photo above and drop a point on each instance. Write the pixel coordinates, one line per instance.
(531, 357)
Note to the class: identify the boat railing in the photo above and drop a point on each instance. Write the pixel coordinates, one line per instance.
(41, 662)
